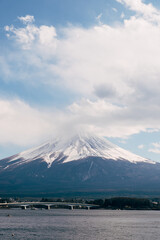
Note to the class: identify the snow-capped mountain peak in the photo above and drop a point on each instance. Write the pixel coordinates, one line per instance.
(80, 146)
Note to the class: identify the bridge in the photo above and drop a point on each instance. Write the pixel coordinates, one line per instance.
(49, 205)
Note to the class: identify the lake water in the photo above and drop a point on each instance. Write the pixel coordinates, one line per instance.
(63, 224)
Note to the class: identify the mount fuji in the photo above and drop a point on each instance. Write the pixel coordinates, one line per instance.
(81, 163)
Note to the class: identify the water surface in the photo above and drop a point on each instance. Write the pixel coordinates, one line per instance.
(63, 224)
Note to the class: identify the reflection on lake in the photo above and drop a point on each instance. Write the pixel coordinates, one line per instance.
(79, 224)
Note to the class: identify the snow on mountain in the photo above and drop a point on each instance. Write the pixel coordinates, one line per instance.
(67, 149)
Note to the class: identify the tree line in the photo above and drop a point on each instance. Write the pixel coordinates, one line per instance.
(126, 203)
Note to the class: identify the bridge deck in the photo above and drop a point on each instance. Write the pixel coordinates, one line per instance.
(47, 204)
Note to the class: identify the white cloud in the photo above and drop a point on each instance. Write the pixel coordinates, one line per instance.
(115, 9)
(147, 10)
(98, 18)
(141, 146)
(156, 144)
(152, 130)
(111, 120)
(30, 35)
(113, 69)
(123, 141)
(27, 19)
(122, 15)
(22, 124)
(155, 148)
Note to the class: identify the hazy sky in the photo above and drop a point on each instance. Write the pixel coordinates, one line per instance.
(67, 65)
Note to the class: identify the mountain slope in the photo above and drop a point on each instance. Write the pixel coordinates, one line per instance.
(79, 163)
(75, 148)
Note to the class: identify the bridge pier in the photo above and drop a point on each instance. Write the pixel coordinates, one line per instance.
(24, 207)
(72, 207)
(48, 207)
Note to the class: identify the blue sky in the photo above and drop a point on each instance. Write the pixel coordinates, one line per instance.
(67, 65)
(58, 12)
